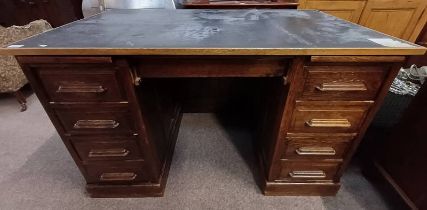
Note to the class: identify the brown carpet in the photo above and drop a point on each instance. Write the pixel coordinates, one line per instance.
(211, 169)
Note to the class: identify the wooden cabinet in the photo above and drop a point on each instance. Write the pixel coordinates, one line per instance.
(56, 12)
(402, 159)
(241, 4)
(398, 151)
(347, 10)
(400, 18)
(394, 17)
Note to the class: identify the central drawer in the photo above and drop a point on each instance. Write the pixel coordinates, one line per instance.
(326, 117)
(211, 66)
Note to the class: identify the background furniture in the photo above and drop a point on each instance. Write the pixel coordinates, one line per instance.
(12, 79)
(420, 60)
(56, 12)
(401, 160)
(400, 18)
(117, 105)
(232, 4)
(395, 148)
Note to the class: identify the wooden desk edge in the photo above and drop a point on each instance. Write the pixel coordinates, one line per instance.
(216, 51)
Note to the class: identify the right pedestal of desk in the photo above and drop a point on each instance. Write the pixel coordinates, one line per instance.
(328, 103)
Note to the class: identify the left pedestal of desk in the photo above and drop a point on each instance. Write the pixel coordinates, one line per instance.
(99, 114)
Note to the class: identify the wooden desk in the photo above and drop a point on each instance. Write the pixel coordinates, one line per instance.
(115, 87)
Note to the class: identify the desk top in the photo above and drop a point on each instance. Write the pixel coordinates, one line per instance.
(212, 32)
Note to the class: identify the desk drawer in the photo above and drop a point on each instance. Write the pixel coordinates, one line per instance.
(328, 117)
(116, 172)
(342, 82)
(95, 120)
(308, 171)
(82, 84)
(303, 147)
(112, 150)
(211, 66)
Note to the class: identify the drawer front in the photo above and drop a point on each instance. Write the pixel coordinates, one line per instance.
(96, 121)
(112, 150)
(211, 67)
(316, 147)
(308, 171)
(116, 173)
(342, 82)
(328, 117)
(82, 84)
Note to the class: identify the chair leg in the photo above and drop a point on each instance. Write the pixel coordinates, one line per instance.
(20, 97)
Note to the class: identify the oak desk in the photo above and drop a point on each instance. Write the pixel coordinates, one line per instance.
(115, 86)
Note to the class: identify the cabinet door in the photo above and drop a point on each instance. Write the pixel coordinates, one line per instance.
(24, 11)
(60, 12)
(348, 10)
(394, 17)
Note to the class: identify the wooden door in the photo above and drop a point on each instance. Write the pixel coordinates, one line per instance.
(394, 17)
(60, 12)
(348, 10)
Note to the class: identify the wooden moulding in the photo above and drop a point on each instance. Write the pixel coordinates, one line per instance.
(360, 59)
(300, 189)
(215, 51)
(61, 59)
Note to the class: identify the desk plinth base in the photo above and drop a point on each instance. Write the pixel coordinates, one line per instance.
(125, 191)
(300, 189)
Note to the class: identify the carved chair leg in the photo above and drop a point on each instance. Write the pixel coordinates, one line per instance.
(20, 97)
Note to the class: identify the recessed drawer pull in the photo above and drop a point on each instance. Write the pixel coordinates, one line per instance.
(82, 124)
(127, 176)
(307, 174)
(315, 151)
(81, 89)
(344, 86)
(108, 153)
(328, 123)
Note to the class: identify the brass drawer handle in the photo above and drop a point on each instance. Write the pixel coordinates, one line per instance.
(108, 153)
(81, 89)
(328, 123)
(308, 174)
(126, 176)
(315, 151)
(83, 124)
(343, 86)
